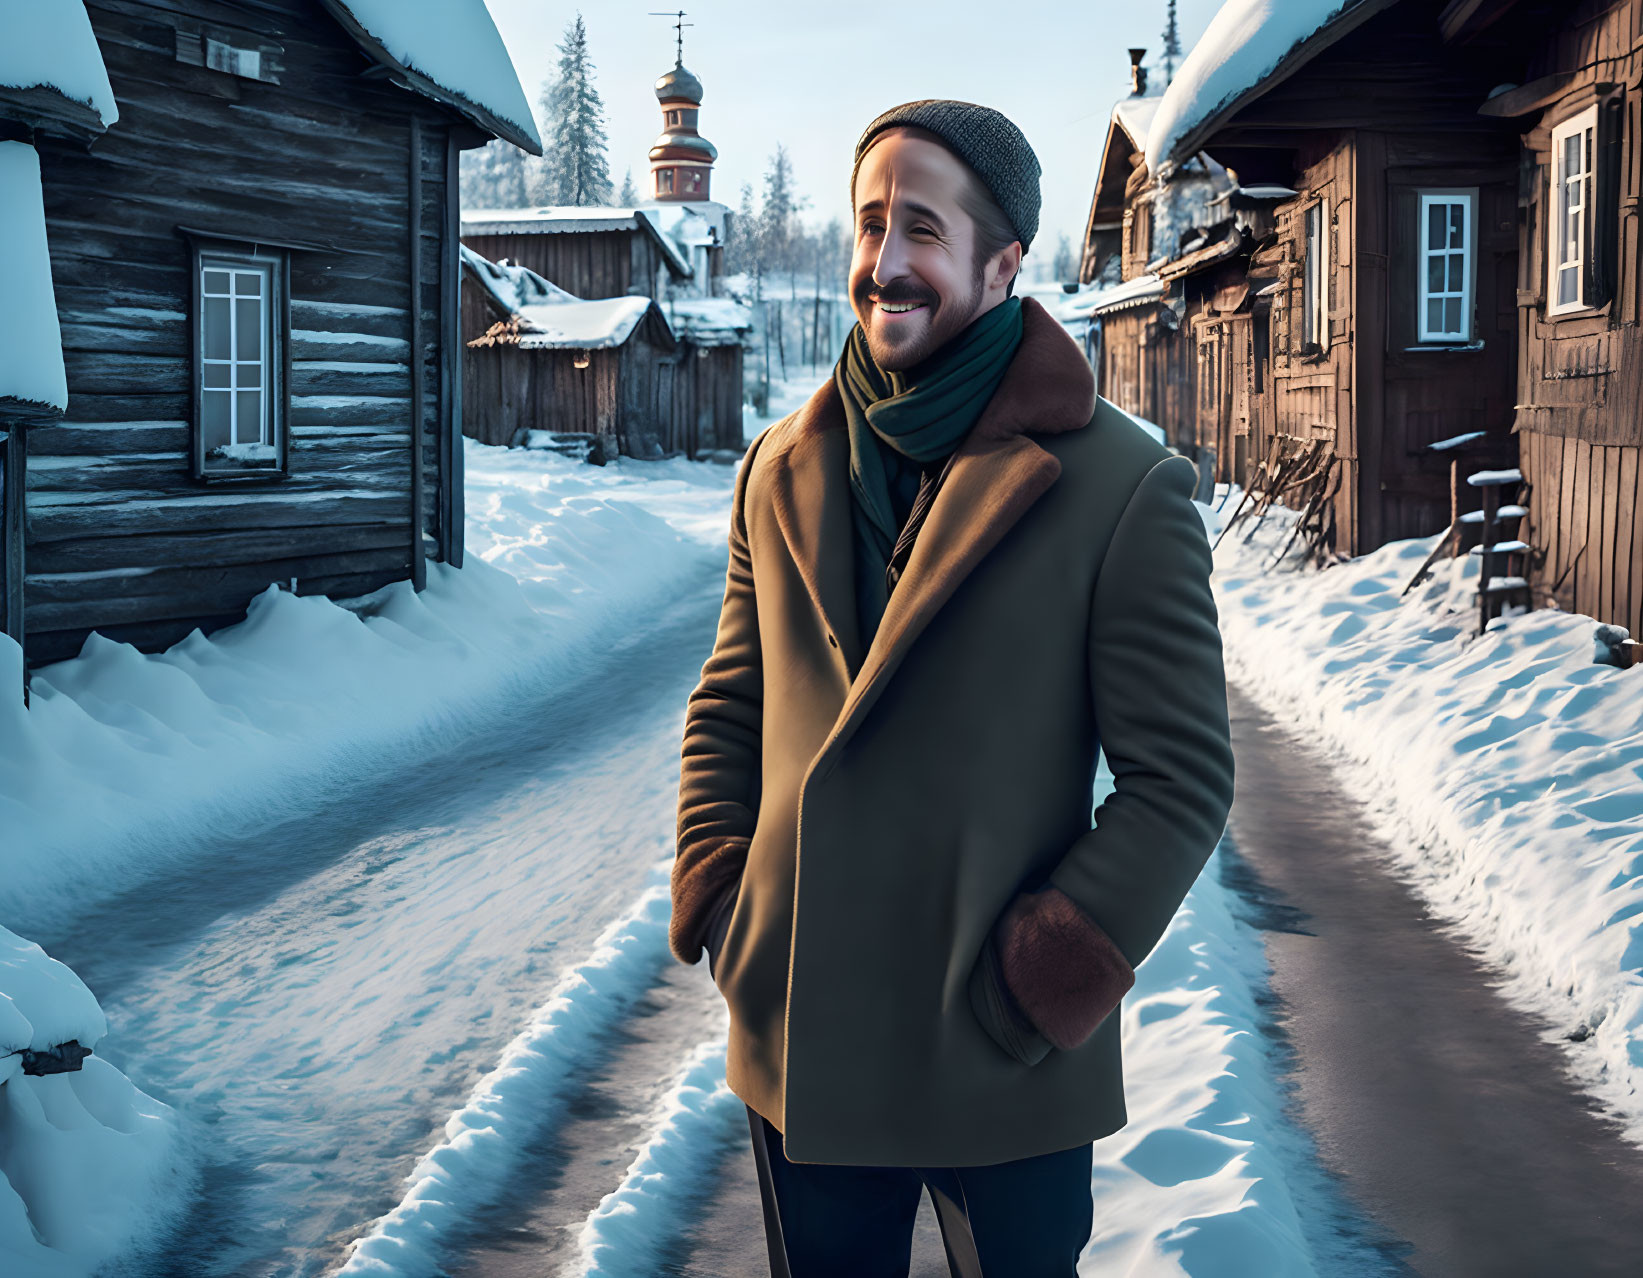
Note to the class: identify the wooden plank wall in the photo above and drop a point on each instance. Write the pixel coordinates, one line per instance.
(119, 537)
(589, 264)
(1149, 369)
(1580, 385)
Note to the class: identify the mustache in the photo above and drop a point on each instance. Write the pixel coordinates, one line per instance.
(894, 294)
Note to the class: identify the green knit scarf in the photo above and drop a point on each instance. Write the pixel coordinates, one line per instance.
(900, 420)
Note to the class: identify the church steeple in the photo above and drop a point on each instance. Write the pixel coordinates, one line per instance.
(681, 159)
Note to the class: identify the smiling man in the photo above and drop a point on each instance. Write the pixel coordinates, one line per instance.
(955, 576)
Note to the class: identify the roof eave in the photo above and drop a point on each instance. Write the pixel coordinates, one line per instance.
(416, 82)
(1343, 24)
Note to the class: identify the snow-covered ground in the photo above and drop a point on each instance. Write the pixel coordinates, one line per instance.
(1509, 762)
(1506, 768)
(124, 760)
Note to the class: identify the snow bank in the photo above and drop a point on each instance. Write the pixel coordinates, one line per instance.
(1504, 769)
(87, 1162)
(526, 1092)
(126, 762)
(49, 44)
(1210, 1176)
(1243, 44)
(31, 348)
(456, 45)
(636, 1226)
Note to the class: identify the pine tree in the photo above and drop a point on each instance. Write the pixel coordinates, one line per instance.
(1065, 267)
(580, 171)
(1172, 45)
(778, 221)
(742, 251)
(627, 197)
(494, 176)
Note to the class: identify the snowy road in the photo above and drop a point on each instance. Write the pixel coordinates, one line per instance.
(322, 995)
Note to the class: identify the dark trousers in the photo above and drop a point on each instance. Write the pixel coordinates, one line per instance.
(1024, 1219)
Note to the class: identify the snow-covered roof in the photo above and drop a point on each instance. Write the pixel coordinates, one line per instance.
(550, 219)
(1097, 301)
(49, 48)
(513, 286)
(449, 50)
(590, 325)
(1248, 44)
(710, 321)
(31, 348)
(689, 222)
(1134, 116)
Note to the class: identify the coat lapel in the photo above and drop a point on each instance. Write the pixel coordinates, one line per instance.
(995, 479)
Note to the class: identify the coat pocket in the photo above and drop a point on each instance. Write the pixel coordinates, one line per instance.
(718, 926)
(993, 1007)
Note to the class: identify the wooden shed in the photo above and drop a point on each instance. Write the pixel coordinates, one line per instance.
(645, 379)
(256, 280)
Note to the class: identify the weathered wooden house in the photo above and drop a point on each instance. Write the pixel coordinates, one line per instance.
(1572, 94)
(248, 216)
(688, 398)
(639, 379)
(1355, 281)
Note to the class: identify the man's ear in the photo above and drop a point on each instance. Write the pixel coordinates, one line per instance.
(1008, 266)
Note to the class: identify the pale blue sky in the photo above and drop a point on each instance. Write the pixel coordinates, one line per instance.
(811, 76)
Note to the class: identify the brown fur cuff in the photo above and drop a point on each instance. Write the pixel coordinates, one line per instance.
(1066, 974)
(700, 874)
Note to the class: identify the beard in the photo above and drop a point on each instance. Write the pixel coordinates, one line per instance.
(914, 341)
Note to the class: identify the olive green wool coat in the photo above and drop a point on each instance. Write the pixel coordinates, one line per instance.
(929, 931)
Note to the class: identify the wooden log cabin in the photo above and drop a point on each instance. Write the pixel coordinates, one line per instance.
(617, 376)
(256, 279)
(1356, 282)
(667, 388)
(1572, 93)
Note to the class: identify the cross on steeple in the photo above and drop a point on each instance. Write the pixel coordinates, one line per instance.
(680, 25)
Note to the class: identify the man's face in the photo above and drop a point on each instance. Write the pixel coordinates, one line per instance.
(913, 280)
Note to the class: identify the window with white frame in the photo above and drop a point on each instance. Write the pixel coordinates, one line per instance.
(1446, 236)
(1569, 243)
(239, 388)
(1315, 280)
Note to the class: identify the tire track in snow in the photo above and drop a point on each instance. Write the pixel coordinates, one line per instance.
(524, 1095)
(635, 1225)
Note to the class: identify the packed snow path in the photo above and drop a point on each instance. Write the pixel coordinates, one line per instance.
(1448, 1113)
(321, 995)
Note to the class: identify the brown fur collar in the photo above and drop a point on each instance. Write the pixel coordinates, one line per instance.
(1049, 387)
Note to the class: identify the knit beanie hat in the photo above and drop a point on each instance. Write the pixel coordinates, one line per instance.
(984, 139)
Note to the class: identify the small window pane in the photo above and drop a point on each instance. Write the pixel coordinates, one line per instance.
(248, 426)
(215, 410)
(216, 281)
(247, 329)
(215, 324)
(1568, 285)
(249, 284)
(1434, 226)
(1455, 260)
(1434, 273)
(1434, 314)
(1451, 315)
(248, 376)
(1457, 219)
(216, 375)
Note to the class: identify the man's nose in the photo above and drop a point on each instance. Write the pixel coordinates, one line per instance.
(892, 259)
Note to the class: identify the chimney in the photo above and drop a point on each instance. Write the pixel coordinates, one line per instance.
(1138, 73)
